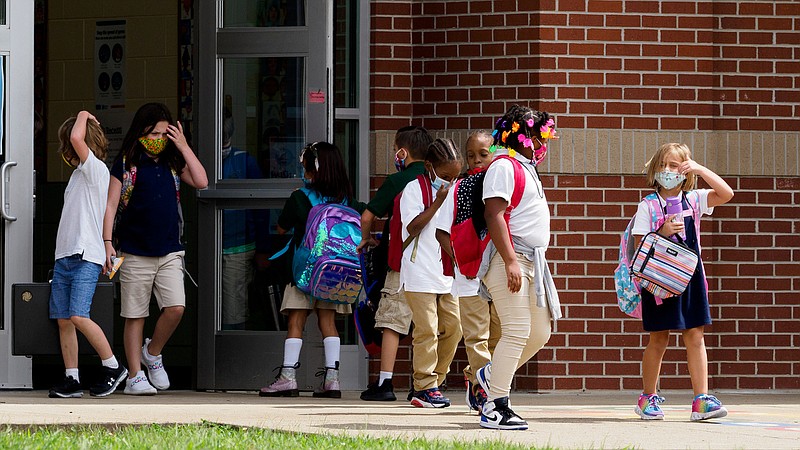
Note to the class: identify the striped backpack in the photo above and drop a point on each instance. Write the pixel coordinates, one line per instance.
(628, 285)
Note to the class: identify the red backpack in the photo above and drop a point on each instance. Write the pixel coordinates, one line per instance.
(469, 234)
(396, 245)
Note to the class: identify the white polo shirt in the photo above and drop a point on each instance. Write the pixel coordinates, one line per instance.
(425, 273)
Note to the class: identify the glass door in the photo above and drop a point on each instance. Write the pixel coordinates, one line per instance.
(16, 175)
(265, 91)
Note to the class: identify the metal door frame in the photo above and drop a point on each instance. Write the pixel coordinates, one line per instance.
(265, 348)
(16, 177)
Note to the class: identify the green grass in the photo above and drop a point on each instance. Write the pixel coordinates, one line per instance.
(208, 436)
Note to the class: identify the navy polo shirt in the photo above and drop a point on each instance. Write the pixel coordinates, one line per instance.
(149, 226)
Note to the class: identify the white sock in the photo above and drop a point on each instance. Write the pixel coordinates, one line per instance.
(384, 376)
(72, 373)
(111, 362)
(291, 351)
(331, 345)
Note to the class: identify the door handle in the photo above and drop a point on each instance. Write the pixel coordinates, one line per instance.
(3, 170)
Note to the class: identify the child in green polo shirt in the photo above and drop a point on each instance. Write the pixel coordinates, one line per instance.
(393, 315)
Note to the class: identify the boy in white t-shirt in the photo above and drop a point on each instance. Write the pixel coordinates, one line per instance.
(479, 321)
(80, 255)
(434, 310)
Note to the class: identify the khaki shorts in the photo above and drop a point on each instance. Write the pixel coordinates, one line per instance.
(294, 298)
(139, 276)
(393, 311)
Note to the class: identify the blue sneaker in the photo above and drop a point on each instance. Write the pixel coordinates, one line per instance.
(475, 396)
(484, 376)
(430, 398)
(647, 408)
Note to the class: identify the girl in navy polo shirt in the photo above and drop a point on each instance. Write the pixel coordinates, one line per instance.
(144, 214)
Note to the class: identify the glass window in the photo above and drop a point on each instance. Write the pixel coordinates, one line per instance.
(263, 117)
(346, 54)
(252, 286)
(264, 13)
(345, 137)
(2, 12)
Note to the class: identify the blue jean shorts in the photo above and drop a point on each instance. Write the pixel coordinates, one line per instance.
(72, 288)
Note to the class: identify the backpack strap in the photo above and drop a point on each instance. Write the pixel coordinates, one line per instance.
(519, 181)
(427, 199)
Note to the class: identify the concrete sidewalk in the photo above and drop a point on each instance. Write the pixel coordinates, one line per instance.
(763, 420)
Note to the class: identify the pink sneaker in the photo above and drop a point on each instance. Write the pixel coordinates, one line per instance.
(707, 406)
(647, 408)
(285, 385)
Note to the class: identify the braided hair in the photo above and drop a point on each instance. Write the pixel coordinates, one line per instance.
(519, 126)
(442, 150)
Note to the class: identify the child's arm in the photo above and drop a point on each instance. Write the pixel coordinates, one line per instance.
(416, 226)
(367, 241)
(114, 192)
(498, 230)
(193, 174)
(78, 136)
(721, 192)
(444, 241)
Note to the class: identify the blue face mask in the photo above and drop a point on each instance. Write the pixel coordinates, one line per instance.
(437, 183)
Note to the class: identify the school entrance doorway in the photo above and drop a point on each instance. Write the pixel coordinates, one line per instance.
(265, 87)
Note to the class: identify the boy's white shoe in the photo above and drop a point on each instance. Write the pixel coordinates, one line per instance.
(155, 368)
(138, 385)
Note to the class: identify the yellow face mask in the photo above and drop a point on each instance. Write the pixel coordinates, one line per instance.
(153, 146)
(67, 161)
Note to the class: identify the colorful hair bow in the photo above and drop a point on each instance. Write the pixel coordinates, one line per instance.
(546, 130)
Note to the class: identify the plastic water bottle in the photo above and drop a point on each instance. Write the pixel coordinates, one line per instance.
(675, 206)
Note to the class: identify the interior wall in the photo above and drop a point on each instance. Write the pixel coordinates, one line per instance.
(151, 61)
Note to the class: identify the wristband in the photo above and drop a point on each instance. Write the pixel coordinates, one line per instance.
(107, 240)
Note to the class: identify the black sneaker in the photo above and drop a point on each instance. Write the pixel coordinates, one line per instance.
(111, 379)
(497, 415)
(67, 388)
(382, 393)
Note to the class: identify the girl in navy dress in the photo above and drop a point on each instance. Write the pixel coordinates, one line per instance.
(673, 173)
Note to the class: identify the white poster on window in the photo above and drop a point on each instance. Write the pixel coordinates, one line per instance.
(109, 64)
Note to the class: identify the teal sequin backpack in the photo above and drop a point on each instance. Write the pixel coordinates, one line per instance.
(326, 264)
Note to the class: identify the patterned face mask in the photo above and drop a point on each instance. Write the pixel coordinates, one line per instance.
(67, 161)
(669, 180)
(539, 153)
(153, 146)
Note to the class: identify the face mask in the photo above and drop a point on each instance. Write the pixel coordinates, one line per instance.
(539, 153)
(68, 163)
(669, 180)
(437, 183)
(399, 164)
(153, 146)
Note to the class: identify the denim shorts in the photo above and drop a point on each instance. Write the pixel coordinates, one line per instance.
(72, 288)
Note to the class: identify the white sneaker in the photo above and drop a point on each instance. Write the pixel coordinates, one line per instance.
(155, 368)
(139, 385)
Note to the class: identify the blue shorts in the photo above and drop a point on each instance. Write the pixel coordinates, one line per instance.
(72, 288)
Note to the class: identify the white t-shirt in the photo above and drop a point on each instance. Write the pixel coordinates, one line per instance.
(530, 220)
(80, 229)
(425, 273)
(462, 286)
(641, 225)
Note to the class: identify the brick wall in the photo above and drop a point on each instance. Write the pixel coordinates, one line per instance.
(623, 77)
(678, 65)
